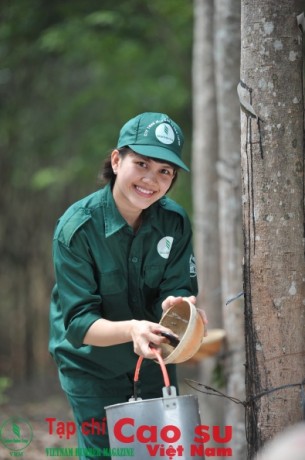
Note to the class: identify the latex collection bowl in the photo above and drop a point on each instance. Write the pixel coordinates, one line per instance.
(185, 321)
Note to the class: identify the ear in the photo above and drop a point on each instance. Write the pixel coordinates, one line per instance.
(115, 160)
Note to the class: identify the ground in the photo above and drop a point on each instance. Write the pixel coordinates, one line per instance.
(33, 403)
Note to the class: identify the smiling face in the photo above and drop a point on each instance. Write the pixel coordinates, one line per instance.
(140, 182)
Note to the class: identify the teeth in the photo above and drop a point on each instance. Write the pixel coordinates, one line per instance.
(142, 190)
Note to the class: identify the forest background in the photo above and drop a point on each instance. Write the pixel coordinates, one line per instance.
(71, 74)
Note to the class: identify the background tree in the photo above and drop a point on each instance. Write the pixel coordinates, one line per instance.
(227, 68)
(204, 188)
(271, 96)
(217, 201)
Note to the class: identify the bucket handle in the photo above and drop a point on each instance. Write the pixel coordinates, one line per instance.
(163, 369)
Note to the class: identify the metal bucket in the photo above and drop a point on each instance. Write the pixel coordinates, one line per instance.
(160, 428)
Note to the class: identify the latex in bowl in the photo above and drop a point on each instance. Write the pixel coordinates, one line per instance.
(185, 321)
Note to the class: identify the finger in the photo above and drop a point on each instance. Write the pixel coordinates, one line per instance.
(204, 319)
(147, 351)
(192, 299)
(170, 301)
(172, 340)
(144, 349)
(203, 315)
(167, 303)
(165, 331)
(157, 339)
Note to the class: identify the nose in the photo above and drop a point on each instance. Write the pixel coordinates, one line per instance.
(149, 177)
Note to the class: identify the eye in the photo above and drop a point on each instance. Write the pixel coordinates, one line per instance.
(167, 172)
(142, 164)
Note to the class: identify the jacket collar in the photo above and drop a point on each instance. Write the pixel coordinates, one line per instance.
(114, 220)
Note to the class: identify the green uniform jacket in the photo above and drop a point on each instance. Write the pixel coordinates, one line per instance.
(104, 270)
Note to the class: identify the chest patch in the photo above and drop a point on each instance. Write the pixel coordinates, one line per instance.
(164, 246)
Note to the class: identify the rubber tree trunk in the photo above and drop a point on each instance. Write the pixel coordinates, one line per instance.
(272, 149)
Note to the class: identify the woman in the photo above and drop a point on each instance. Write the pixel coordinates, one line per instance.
(121, 255)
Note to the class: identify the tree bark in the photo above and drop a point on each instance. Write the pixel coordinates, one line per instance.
(272, 150)
(204, 188)
(204, 159)
(227, 60)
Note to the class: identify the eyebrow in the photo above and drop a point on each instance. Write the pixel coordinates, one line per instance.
(156, 160)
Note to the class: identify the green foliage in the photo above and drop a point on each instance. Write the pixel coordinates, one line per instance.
(218, 375)
(5, 384)
(72, 72)
(75, 71)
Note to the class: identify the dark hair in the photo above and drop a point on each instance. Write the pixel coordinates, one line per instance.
(107, 175)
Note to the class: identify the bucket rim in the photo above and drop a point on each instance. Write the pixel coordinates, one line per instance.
(180, 397)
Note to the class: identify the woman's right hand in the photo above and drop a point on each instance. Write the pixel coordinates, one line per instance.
(146, 335)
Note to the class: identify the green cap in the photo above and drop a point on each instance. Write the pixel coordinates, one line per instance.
(154, 135)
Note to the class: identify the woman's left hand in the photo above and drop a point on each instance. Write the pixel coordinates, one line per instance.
(170, 301)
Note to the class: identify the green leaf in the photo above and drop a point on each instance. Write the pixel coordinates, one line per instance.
(16, 430)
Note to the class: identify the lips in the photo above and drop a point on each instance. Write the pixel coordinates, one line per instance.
(144, 192)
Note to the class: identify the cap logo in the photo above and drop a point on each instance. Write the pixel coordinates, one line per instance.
(165, 133)
(164, 246)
